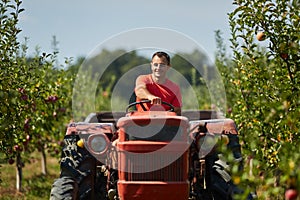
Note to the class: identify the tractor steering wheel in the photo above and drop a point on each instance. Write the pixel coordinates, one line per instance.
(148, 101)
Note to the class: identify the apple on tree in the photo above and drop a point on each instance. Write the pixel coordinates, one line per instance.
(261, 36)
(291, 194)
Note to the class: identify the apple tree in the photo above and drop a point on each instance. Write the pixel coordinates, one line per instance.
(35, 96)
(264, 82)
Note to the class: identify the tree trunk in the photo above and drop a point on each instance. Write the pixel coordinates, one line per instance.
(44, 162)
(19, 166)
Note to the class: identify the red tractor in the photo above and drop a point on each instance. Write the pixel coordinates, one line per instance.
(147, 155)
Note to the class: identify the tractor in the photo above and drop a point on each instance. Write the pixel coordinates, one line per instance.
(148, 155)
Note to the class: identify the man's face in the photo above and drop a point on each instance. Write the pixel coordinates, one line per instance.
(159, 67)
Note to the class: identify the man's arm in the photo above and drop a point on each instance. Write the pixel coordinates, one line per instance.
(142, 92)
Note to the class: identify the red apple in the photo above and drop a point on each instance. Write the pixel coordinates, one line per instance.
(26, 124)
(51, 99)
(284, 56)
(291, 194)
(18, 148)
(24, 97)
(60, 143)
(21, 90)
(229, 110)
(11, 161)
(56, 151)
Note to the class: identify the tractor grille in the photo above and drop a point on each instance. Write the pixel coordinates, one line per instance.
(140, 168)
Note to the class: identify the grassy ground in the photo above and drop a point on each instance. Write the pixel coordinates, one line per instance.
(35, 185)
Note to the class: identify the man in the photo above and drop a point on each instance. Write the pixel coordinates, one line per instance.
(156, 87)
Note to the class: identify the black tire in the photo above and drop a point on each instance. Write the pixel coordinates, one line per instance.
(64, 188)
(79, 165)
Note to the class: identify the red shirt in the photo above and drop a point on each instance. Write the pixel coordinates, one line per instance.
(168, 92)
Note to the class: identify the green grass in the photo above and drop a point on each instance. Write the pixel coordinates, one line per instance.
(35, 185)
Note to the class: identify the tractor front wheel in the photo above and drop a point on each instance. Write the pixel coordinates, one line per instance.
(64, 188)
(78, 169)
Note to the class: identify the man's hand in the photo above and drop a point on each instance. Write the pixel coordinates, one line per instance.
(154, 99)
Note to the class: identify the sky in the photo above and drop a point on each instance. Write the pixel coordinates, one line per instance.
(80, 27)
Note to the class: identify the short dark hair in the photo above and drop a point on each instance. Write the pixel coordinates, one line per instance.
(162, 54)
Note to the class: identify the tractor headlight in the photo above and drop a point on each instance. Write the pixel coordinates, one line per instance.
(98, 143)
